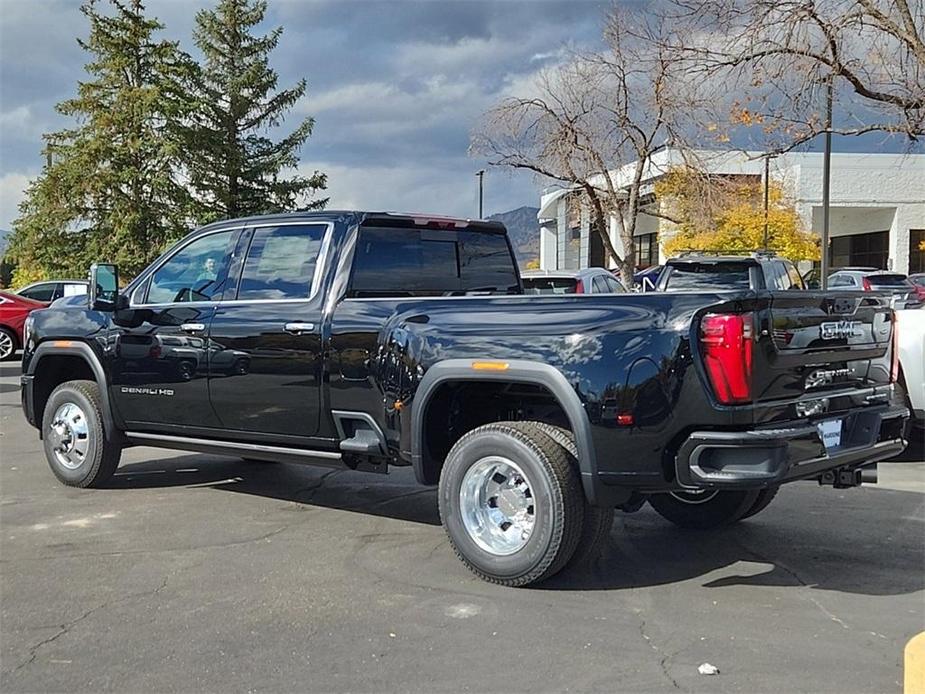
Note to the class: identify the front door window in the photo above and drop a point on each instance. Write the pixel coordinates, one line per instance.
(197, 272)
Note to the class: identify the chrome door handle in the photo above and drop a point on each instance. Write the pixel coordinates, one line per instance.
(192, 327)
(299, 328)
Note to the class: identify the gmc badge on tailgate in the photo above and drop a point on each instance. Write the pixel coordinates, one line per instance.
(840, 329)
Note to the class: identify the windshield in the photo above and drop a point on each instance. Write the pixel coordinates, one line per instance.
(550, 285)
(689, 277)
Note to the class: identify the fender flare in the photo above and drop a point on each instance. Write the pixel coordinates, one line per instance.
(84, 351)
(516, 371)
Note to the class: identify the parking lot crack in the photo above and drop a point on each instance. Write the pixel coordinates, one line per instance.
(663, 660)
(66, 628)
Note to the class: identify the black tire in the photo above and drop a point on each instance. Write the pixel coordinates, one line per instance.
(554, 484)
(713, 510)
(101, 456)
(8, 339)
(597, 522)
(765, 497)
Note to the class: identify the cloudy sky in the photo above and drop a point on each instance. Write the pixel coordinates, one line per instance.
(395, 88)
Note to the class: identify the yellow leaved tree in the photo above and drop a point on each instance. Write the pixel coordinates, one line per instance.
(726, 214)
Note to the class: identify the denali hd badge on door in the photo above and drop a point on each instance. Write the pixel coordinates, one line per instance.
(839, 329)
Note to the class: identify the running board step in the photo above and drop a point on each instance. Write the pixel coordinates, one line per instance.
(256, 451)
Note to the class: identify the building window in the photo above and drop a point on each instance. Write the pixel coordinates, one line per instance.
(646, 251)
(861, 250)
(916, 254)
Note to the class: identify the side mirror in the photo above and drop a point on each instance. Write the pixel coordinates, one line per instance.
(104, 287)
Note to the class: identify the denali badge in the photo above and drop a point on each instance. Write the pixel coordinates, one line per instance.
(147, 391)
(822, 377)
(840, 329)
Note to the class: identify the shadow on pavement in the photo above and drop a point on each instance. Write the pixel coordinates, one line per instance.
(868, 543)
(393, 496)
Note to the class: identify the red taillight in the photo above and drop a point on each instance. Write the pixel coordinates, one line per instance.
(865, 283)
(919, 292)
(579, 287)
(625, 419)
(726, 342)
(894, 346)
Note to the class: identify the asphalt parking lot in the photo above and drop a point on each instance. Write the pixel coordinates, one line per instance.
(200, 573)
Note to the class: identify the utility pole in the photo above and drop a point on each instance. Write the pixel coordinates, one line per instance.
(481, 176)
(767, 196)
(826, 180)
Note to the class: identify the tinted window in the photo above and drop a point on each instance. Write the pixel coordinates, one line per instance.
(794, 276)
(600, 286)
(550, 285)
(412, 262)
(782, 279)
(197, 272)
(281, 262)
(688, 277)
(887, 280)
(40, 292)
(615, 285)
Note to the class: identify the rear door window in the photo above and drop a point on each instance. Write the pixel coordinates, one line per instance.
(600, 285)
(281, 262)
(782, 280)
(396, 262)
(795, 278)
(692, 277)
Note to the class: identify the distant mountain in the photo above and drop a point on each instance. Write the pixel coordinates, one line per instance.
(524, 231)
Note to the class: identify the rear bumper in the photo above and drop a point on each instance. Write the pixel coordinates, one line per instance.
(770, 456)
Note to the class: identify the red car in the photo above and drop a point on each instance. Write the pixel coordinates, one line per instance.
(13, 312)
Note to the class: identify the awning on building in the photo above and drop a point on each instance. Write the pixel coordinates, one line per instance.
(549, 202)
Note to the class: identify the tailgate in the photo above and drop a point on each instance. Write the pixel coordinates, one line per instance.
(823, 342)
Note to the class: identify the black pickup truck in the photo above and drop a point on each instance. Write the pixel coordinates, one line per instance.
(376, 340)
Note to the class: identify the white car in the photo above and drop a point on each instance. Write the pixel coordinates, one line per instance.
(49, 290)
(911, 337)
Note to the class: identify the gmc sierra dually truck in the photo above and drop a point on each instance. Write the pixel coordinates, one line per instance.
(372, 340)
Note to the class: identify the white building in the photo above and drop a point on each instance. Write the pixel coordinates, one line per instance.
(877, 211)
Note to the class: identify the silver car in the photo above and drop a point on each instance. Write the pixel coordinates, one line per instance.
(592, 280)
(862, 279)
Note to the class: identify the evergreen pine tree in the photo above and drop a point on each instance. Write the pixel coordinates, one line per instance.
(235, 169)
(110, 188)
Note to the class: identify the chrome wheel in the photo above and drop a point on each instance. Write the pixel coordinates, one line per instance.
(694, 496)
(497, 505)
(69, 435)
(6, 345)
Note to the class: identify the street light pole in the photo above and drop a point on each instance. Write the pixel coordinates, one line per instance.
(767, 179)
(826, 180)
(481, 176)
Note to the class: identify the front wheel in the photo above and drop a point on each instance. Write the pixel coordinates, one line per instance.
(74, 439)
(704, 509)
(511, 503)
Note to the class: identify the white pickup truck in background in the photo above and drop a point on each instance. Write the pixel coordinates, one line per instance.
(911, 338)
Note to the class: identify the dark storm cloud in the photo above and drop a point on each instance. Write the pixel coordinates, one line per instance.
(395, 87)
